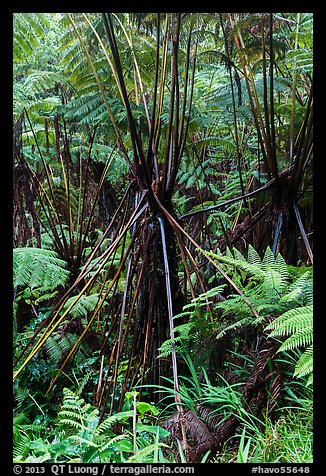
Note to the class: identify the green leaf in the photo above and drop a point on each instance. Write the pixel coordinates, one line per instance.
(152, 429)
(143, 407)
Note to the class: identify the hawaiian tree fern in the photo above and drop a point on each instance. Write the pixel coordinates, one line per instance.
(272, 288)
(59, 345)
(198, 326)
(85, 305)
(298, 325)
(38, 268)
(264, 282)
(29, 30)
(273, 291)
(267, 282)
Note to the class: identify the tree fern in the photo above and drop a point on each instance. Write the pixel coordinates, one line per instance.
(58, 345)
(291, 321)
(38, 81)
(198, 327)
(38, 268)
(300, 292)
(271, 272)
(29, 29)
(182, 334)
(84, 306)
(273, 291)
(304, 365)
(298, 325)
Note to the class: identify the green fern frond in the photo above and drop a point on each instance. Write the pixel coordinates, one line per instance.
(244, 322)
(77, 414)
(281, 267)
(29, 29)
(45, 296)
(304, 365)
(35, 267)
(301, 338)
(234, 305)
(301, 291)
(254, 258)
(110, 442)
(58, 345)
(41, 81)
(268, 259)
(109, 421)
(23, 433)
(242, 265)
(237, 254)
(310, 379)
(166, 348)
(80, 439)
(144, 453)
(291, 321)
(84, 106)
(105, 425)
(53, 349)
(298, 323)
(84, 306)
(274, 281)
(202, 298)
(69, 421)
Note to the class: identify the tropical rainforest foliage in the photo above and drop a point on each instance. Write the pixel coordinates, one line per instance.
(163, 237)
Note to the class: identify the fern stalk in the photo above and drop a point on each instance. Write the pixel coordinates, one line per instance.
(94, 315)
(170, 312)
(49, 181)
(48, 332)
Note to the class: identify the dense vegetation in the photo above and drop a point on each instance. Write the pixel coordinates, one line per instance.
(163, 236)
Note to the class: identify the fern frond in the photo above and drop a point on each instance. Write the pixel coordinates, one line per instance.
(304, 365)
(183, 330)
(58, 345)
(35, 267)
(235, 325)
(80, 439)
(268, 259)
(29, 29)
(41, 81)
(281, 267)
(53, 349)
(300, 291)
(110, 442)
(291, 321)
(274, 282)
(83, 383)
(301, 338)
(71, 422)
(108, 422)
(239, 264)
(254, 258)
(105, 425)
(143, 454)
(84, 306)
(237, 254)
(298, 323)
